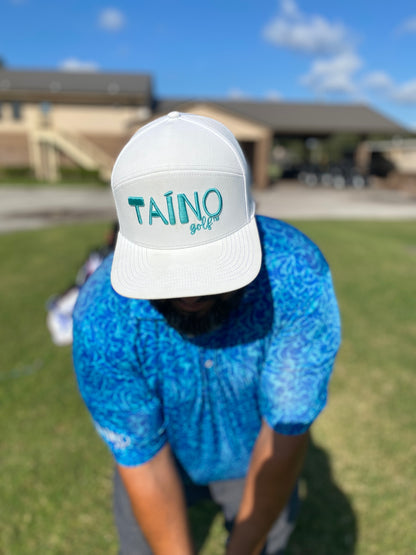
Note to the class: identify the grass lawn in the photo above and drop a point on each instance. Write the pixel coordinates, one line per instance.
(359, 481)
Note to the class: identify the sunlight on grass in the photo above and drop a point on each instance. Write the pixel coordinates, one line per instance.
(358, 483)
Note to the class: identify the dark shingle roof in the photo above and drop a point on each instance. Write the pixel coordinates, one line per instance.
(301, 118)
(319, 118)
(68, 83)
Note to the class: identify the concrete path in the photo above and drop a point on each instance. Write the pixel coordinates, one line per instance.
(34, 207)
(289, 201)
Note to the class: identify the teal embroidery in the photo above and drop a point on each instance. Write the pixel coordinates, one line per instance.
(183, 213)
(204, 202)
(206, 223)
(171, 212)
(137, 202)
(183, 203)
(155, 212)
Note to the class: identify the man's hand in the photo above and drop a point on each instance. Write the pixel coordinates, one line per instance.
(274, 468)
(157, 499)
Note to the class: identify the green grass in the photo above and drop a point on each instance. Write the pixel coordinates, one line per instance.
(359, 480)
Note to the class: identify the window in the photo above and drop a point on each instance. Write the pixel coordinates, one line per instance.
(16, 110)
(45, 111)
(45, 108)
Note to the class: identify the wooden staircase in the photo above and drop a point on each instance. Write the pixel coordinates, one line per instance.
(46, 143)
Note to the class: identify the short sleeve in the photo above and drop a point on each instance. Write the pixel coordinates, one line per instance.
(300, 358)
(126, 412)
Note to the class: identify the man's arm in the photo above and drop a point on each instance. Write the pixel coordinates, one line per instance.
(157, 499)
(274, 468)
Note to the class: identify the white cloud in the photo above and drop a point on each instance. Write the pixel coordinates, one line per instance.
(73, 64)
(236, 94)
(333, 75)
(381, 83)
(111, 19)
(378, 81)
(405, 93)
(335, 61)
(273, 95)
(408, 26)
(308, 34)
(289, 8)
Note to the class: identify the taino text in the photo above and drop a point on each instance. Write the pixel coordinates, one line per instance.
(173, 207)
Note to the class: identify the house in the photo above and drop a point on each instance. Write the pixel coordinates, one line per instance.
(50, 120)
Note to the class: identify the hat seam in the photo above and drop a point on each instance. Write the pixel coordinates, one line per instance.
(223, 139)
(142, 131)
(134, 177)
(229, 144)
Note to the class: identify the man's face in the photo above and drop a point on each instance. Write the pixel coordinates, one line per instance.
(197, 315)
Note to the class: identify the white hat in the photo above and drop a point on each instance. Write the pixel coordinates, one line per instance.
(187, 228)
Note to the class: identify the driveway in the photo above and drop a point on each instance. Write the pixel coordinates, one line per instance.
(294, 201)
(34, 207)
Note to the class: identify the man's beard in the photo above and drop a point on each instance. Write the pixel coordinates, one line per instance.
(194, 323)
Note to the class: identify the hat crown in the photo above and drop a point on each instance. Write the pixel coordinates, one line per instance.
(180, 142)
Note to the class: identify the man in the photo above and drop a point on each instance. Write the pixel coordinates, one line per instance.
(204, 347)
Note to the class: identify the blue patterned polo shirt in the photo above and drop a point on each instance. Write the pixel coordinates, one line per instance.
(145, 384)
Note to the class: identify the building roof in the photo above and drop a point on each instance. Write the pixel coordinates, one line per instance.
(135, 89)
(301, 118)
(67, 85)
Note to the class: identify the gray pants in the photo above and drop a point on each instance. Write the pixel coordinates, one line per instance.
(227, 494)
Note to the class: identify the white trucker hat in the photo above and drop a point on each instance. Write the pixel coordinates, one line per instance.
(181, 187)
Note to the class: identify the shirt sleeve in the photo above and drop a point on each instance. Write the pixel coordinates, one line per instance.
(126, 412)
(300, 359)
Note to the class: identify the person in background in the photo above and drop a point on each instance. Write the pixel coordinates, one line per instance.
(59, 308)
(204, 346)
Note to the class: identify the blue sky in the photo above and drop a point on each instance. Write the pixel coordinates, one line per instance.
(293, 50)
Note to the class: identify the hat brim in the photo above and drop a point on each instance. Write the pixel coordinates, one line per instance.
(218, 267)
